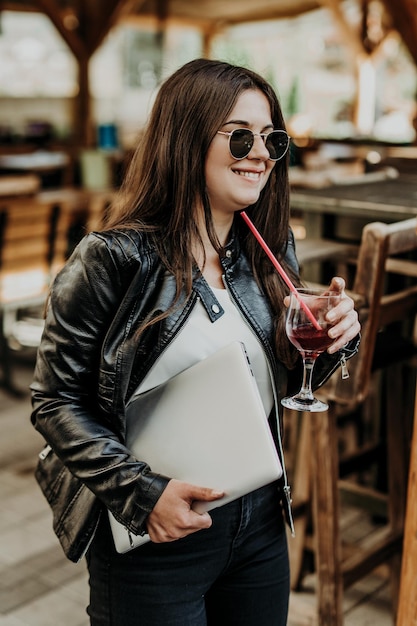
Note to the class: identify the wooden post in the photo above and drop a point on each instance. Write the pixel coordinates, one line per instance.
(302, 492)
(82, 114)
(407, 608)
(326, 518)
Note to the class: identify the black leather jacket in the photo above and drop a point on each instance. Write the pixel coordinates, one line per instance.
(90, 362)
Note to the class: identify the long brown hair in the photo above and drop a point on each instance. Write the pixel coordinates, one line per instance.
(165, 181)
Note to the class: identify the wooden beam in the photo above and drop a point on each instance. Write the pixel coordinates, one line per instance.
(349, 34)
(71, 38)
(275, 11)
(82, 121)
(404, 18)
(99, 24)
(24, 7)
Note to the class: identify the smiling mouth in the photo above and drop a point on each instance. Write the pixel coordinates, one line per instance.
(251, 175)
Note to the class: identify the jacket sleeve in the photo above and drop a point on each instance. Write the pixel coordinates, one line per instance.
(83, 301)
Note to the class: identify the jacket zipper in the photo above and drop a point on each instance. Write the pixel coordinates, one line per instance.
(286, 488)
(344, 368)
(93, 534)
(43, 454)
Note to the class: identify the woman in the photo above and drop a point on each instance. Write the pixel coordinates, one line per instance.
(175, 276)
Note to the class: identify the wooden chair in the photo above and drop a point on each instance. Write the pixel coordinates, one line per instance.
(25, 243)
(317, 481)
(33, 247)
(78, 211)
(36, 238)
(100, 204)
(338, 256)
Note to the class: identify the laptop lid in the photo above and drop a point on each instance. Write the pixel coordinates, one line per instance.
(206, 426)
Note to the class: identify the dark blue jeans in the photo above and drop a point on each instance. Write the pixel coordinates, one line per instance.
(234, 573)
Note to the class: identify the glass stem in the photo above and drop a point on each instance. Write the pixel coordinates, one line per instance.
(306, 392)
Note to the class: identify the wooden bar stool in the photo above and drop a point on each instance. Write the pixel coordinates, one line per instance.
(317, 483)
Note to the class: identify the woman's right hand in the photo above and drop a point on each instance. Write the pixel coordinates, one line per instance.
(173, 518)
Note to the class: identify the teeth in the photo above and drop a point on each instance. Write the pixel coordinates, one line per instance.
(253, 175)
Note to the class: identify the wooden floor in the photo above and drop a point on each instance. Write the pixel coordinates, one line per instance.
(39, 587)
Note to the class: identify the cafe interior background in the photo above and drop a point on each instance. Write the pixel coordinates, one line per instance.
(75, 93)
(318, 75)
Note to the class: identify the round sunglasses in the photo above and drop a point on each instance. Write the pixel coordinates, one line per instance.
(241, 141)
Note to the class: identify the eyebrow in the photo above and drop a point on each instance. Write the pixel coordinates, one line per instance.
(246, 123)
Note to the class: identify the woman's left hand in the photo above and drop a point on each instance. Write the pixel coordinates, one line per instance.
(344, 318)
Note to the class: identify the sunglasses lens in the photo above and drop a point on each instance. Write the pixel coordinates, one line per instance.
(241, 142)
(277, 144)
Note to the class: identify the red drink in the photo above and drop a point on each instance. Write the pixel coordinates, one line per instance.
(307, 339)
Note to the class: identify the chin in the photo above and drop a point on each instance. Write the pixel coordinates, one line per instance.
(249, 202)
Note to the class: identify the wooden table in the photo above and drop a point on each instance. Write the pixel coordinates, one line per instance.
(341, 211)
(51, 167)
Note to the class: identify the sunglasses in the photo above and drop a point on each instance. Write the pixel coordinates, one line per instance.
(241, 141)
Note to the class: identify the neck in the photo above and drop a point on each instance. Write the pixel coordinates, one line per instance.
(208, 260)
(206, 256)
(222, 226)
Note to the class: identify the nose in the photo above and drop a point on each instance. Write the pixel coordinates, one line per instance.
(259, 149)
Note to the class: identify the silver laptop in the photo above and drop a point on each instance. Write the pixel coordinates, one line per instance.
(206, 426)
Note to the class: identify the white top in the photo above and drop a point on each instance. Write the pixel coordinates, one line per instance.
(200, 337)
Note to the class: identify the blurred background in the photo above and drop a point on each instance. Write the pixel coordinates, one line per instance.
(77, 75)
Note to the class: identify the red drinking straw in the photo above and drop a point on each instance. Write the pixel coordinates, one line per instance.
(280, 269)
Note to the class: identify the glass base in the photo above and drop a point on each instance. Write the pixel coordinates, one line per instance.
(298, 403)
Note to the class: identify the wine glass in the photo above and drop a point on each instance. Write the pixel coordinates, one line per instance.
(310, 340)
